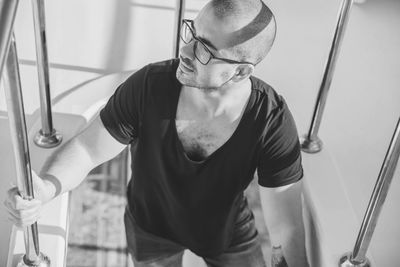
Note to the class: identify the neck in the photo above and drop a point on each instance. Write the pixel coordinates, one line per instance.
(216, 102)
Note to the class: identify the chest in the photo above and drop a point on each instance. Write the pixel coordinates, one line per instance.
(202, 138)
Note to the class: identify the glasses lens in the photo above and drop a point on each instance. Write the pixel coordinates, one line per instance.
(186, 33)
(202, 53)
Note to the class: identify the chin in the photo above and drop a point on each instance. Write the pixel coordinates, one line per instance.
(183, 79)
(187, 81)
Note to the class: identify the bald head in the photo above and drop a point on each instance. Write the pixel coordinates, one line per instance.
(252, 27)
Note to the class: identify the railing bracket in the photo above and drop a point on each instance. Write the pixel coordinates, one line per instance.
(310, 145)
(346, 261)
(43, 261)
(47, 140)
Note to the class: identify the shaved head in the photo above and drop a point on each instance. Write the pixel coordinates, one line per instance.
(252, 27)
(234, 36)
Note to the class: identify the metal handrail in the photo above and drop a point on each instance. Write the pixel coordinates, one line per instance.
(8, 11)
(47, 137)
(310, 142)
(178, 23)
(357, 257)
(33, 256)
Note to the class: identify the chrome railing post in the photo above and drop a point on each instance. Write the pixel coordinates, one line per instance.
(47, 137)
(8, 10)
(357, 257)
(178, 23)
(310, 142)
(19, 139)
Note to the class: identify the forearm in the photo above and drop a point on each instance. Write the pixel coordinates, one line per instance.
(66, 169)
(292, 242)
(283, 215)
(69, 166)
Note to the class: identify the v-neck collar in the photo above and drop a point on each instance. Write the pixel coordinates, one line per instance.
(177, 91)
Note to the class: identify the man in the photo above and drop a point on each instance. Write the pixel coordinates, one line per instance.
(199, 126)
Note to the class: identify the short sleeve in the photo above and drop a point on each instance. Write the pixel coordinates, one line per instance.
(122, 113)
(280, 160)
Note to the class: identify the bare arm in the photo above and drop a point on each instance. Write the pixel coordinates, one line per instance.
(63, 171)
(69, 166)
(282, 208)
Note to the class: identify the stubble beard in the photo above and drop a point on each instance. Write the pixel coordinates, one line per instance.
(186, 82)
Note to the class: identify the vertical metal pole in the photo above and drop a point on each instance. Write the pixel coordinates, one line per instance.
(178, 23)
(357, 258)
(8, 10)
(47, 137)
(310, 142)
(19, 139)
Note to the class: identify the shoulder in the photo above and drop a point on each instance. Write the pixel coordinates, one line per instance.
(166, 66)
(267, 100)
(153, 75)
(161, 68)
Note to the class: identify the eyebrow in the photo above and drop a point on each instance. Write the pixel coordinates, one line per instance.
(205, 41)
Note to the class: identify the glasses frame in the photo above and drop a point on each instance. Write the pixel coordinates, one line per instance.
(188, 23)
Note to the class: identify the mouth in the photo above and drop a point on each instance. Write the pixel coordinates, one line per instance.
(185, 67)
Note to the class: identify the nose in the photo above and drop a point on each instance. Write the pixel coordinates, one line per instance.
(186, 50)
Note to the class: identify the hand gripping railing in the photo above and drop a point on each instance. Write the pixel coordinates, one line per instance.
(33, 256)
(357, 257)
(310, 142)
(178, 23)
(47, 137)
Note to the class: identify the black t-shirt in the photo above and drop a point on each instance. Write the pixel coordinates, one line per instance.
(194, 203)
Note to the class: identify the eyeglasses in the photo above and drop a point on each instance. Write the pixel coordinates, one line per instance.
(201, 51)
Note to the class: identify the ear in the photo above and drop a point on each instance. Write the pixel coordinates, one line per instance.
(242, 72)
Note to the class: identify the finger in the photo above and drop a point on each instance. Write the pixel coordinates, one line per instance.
(18, 203)
(14, 193)
(23, 213)
(23, 204)
(6, 203)
(8, 206)
(25, 221)
(11, 196)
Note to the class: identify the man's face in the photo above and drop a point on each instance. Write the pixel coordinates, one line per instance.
(215, 35)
